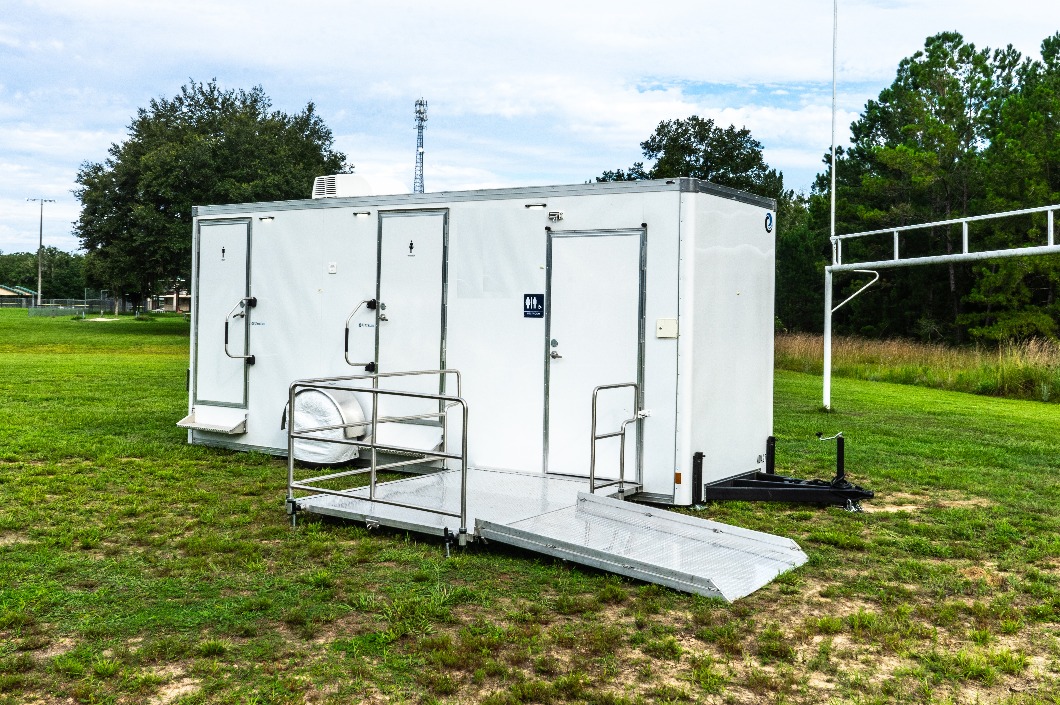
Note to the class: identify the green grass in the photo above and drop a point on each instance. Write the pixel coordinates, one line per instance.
(1027, 369)
(135, 567)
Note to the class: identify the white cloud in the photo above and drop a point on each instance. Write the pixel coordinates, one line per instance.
(554, 91)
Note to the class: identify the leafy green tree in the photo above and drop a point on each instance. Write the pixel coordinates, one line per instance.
(63, 273)
(204, 146)
(698, 148)
(1017, 298)
(917, 156)
(801, 257)
(918, 146)
(19, 269)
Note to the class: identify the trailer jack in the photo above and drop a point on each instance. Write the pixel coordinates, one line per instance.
(758, 486)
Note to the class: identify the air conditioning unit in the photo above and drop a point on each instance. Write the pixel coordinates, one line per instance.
(341, 185)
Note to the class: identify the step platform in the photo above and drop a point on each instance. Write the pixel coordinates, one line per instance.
(555, 516)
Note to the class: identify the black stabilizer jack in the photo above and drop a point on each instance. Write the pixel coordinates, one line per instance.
(757, 486)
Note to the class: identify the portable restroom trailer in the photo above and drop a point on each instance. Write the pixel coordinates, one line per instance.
(537, 296)
(570, 312)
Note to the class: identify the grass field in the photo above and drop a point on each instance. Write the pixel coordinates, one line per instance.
(1027, 369)
(135, 568)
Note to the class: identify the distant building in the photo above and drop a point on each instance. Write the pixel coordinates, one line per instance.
(172, 301)
(16, 296)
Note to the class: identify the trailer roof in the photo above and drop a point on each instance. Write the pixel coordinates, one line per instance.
(685, 185)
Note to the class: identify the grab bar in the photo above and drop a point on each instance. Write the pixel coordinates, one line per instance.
(244, 303)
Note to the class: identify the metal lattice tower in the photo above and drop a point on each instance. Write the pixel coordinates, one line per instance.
(421, 121)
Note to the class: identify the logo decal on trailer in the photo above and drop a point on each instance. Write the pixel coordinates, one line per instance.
(769, 222)
(534, 306)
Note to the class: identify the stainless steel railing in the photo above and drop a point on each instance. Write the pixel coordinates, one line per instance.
(621, 433)
(445, 403)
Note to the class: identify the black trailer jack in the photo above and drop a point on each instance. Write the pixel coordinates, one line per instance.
(758, 486)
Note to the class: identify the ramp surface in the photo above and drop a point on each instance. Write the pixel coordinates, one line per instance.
(554, 516)
(498, 495)
(655, 545)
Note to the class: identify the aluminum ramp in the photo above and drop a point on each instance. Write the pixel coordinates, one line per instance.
(553, 516)
(654, 545)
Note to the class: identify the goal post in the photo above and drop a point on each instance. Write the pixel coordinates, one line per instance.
(871, 266)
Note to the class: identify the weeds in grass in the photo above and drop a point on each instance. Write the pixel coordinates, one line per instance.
(706, 674)
(774, 645)
(213, 647)
(106, 667)
(1028, 369)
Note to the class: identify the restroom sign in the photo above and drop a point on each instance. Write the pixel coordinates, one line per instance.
(533, 305)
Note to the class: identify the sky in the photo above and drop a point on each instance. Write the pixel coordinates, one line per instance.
(518, 94)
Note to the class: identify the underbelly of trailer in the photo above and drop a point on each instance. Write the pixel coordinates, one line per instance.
(557, 517)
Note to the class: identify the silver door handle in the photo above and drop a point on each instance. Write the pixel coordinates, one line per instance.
(554, 355)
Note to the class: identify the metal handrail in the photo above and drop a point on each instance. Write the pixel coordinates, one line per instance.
(244, 303)
(375, 377)
(334, 383)
(641, 413)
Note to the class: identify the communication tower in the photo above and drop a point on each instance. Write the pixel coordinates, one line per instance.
(421, 121)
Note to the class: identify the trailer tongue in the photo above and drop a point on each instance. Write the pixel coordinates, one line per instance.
(555, 516)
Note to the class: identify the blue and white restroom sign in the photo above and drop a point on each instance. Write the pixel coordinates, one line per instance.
(533, 306)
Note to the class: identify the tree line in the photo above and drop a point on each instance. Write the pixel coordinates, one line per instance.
(960, 131)
(62, 273)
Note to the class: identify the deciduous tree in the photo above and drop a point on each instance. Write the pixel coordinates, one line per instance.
(204, 146)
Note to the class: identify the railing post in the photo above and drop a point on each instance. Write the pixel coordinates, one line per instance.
(1052, 237)
(964, 237)
(463, 478)
(895, 245)
(375, 436)
(826, 372)
(592, 452)
(290, 450)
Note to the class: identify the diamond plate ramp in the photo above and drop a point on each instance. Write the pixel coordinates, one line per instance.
(654, 545)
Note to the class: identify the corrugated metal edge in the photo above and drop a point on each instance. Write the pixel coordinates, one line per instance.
(678, 580)
(686, 185)
(585, 499)
(307, 505)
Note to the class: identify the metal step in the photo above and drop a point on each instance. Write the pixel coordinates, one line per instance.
(685, 553)
(231, 422)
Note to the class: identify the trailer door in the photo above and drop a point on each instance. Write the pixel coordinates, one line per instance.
(412, 283)
(594, 333)
(223, 280)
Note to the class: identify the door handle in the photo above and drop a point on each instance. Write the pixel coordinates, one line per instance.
(240, 311)
(371, 304)
(554, 355)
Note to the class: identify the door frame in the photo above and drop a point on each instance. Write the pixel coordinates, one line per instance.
(642, 233)
(383, 215)
(196, 309)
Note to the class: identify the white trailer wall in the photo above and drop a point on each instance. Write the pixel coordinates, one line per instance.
(707, 263)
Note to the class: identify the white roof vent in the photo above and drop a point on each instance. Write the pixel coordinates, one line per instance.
(341, 185)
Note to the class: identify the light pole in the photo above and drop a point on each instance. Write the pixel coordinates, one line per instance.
(40, 246)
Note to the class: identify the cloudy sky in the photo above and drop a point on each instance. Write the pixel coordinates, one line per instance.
(519, 93)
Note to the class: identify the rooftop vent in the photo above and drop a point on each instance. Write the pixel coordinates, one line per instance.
(341, 185)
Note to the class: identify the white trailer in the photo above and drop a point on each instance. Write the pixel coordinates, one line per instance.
(537, 297)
